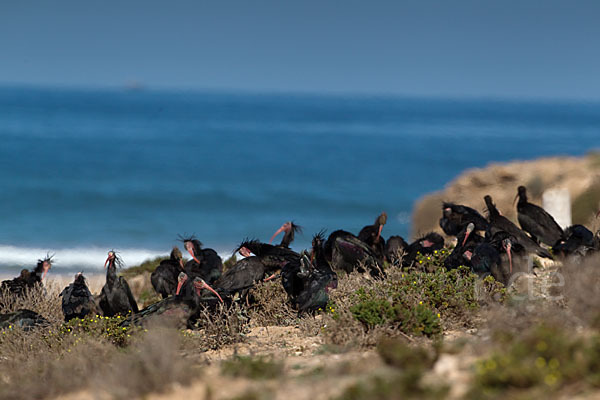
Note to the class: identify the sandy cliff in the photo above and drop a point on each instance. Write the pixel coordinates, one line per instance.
(580, 175)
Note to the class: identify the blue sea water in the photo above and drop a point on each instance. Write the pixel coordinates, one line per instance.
(85, 171)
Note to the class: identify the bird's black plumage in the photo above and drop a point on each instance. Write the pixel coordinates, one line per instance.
(577, 240)
(205, 263)
(371, 235)
(274, 258)
(485, 260)
(24, 319)
(17, 286)
(456, 217)
(424, 245)
(77, 300)
(318, 278)
(164, 277)
(346, 252)
(501, 223)
(395, 247)
(28, 279)
(536, 221)
(183, 308)
(241, 276)
(116, 297)
(290, 228)
(466, 239)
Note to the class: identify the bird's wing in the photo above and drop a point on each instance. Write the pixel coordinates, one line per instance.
(132, 301)
(540, 224)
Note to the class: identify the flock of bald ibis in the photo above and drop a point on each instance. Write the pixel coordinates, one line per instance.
(488, 246)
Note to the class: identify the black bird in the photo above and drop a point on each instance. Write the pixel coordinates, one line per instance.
(184, 306)
(17, 286)
(395, 247)
(512, 253)
(290, 230)
(273, 257)
(164, 277)
(485, 260)
(28, 279)
(424, 245)
(501, 223)
(371, 235)
(39, 273)
(318, 278)
(496, 257)
(185, 287)
(466, 239)
(242, 276)
(116, 297)
(456, 217)
(577, 240)
(276, 257)
(24, 319)
(77, 300)
(205, 263)
(346, 252)
(536, 221)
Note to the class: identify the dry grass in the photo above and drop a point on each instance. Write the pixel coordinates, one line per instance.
(60, 359)
(271, 306)
(225, 326)
(39, 365)
(44, 300)
(582, 289)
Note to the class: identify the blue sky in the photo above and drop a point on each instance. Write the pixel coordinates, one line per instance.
(530, 48)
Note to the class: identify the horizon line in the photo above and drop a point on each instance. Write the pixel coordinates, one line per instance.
(139, 87)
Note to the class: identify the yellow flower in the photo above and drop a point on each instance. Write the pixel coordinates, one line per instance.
(490, 364)
(541, 346)
(550, 379)
(540, 362)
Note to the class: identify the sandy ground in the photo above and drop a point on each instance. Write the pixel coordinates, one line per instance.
(310, 373)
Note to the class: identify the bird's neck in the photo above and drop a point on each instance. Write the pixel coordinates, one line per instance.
(111, 273)
(522, 199)
(287, 238)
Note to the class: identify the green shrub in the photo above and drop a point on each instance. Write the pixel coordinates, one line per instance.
(252, 368)
(432, 262)
(99, 327)
(414, 302)
(540, 360)
(146, 266)
(410, 363)
(371, 310)
(398, 354)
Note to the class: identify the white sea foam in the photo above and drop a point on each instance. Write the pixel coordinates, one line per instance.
(88, 258)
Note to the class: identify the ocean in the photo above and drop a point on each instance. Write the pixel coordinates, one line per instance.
(84, 171)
